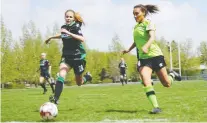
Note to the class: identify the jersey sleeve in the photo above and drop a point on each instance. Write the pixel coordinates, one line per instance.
(76, 29)
(63, 27)
(150, 26)
(48, 63)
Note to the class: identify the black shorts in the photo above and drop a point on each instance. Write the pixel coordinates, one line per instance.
(77, 65)
(138, 65)
(46, 75)
(123, 72)
(155, 63)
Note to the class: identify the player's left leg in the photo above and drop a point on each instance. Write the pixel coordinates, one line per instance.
(49, 80)
(122, 79)
(159, 66)
(165, 79)
(125, 78)
(79, 68)
(42, 84)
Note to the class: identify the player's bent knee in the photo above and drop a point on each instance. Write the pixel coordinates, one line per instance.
(167, 85)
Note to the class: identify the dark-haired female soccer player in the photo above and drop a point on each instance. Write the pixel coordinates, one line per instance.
(151, 56)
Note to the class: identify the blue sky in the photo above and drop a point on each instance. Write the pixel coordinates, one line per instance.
(178, 19)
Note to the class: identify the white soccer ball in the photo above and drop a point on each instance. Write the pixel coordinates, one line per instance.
(48, 111)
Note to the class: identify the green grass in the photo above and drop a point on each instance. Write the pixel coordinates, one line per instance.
(184, 101)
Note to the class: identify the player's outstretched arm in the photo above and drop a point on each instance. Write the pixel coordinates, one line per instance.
(131, 47)
(53, 37)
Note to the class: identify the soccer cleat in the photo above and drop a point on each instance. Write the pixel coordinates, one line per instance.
(175, 75)
(155, 111)
(53, 100)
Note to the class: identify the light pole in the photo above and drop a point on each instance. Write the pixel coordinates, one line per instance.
(179, 58)
(169, 45)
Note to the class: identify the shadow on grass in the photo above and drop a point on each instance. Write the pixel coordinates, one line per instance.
(53, 120)
(124, 111)
(59, 110)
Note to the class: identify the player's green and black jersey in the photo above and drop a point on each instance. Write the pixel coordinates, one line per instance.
(137, 53)
(44, 65)
(72, 48)
(122, 67)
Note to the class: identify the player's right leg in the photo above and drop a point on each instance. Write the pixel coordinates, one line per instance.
(146, 73)
(122, 79)
(64, 68)
(49, 80)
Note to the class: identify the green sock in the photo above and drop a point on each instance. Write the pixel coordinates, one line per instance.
(151, 95)
(84, 80)
(171, 79)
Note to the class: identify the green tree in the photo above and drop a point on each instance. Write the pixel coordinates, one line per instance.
(203, 52)
(6, 54)
(115, 49)
(189, 62)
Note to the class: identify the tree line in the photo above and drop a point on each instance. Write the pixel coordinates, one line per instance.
(20, 58)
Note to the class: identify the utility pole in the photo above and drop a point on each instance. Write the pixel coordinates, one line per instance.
(179, 58)
(169, 45)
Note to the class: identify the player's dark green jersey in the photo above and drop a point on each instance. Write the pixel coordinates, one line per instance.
(44, 65)
(73, 48)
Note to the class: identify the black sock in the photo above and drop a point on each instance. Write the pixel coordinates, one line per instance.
(52, 87)
(43, 86)
(58, 89)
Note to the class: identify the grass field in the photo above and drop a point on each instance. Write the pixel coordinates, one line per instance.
(184, 101)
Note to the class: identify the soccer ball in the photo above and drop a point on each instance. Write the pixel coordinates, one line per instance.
(48, 111)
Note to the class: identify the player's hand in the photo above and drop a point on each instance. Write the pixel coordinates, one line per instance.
(47, 41)
(125, 51)
(145, 49)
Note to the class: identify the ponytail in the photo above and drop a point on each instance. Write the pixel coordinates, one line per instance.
(152, 8)
(78, 18)
(147, 8)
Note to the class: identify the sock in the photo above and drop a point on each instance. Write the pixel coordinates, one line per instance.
(43, 86)
(84, 80)
(170, 77)
(52, 87)
(151, 95)
(59, 87)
